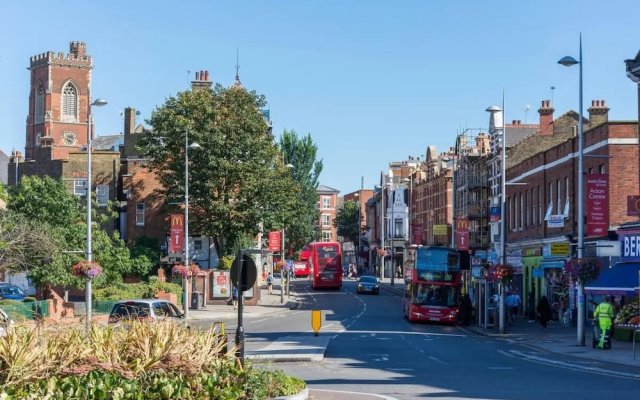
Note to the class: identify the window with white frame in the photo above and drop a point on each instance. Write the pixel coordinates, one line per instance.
(540, 205)
(140, 214)
(527, 211)
(326, 202)
(102, 195)
(602, 169)
(80, 187)
(398, 227)
(69, 102)
(510, 209)
(39, 106)
(559, 194)
(550, 193)
(326, 236)
(326, 219)
(521, 212)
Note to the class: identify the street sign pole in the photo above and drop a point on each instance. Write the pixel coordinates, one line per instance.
(240, 328)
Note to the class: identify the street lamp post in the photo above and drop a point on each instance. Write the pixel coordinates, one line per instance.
(498, 124)
(185, 277)
(289, 270)
(392, 220)
(567, 62)
(382, 209)
(89, 255)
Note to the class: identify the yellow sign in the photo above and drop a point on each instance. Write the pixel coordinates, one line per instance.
(316, 320)
(439, 230)
(559, 249)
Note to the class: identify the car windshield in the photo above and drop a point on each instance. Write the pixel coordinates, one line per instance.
(131, 310)
(435, 295)
(368, 279)
(11, 290)
(164, 309)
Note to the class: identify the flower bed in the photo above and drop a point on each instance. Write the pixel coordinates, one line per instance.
(146, 361)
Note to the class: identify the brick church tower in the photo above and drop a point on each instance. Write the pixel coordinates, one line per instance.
(58, 101)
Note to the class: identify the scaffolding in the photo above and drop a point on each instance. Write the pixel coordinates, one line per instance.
(472, 197)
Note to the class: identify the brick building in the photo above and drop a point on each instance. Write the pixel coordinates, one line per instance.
(327, 206)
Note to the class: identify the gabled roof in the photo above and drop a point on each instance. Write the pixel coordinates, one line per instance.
(326, 189)
(108, 142)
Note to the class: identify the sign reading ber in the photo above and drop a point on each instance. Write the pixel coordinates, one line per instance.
(630, 247)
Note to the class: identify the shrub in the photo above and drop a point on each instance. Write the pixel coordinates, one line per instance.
(142, 290)
(29, 299)
(147, 361)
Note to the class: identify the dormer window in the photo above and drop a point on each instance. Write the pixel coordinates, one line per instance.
(39, 106)
(69, 103)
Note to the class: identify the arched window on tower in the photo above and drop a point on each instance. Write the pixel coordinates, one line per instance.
(69, 103)
(39, 106)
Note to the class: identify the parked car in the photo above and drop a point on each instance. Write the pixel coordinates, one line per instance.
(12, 292)
(144, 310)
(368, 284)
(5, 322)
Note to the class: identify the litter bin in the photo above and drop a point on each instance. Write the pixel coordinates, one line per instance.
(195, 300)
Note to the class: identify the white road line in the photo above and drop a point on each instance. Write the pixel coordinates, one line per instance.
(500, 368)
(437, 360)
(380, 396)
(399, 369)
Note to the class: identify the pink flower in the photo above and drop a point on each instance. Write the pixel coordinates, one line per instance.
(86, 269)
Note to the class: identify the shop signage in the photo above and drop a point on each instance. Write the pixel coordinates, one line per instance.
(597, 204)
(274, 241)
(494, 214)
(559, 249)
(531, 252)
(439, 230)
(462, 234)
(418, 234)
(221, 284)
(176, 245)
(629, 246)
(555, 221)
(633, 206)
(481, 254)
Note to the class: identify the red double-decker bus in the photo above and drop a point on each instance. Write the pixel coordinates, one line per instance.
(433, 286)
(325, 264)
(301, 266)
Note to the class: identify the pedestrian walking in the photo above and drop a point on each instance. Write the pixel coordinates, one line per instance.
(466, 310)
(270, 283)
(513, 303)
(603, 315)
(544, 311)
(234, 298)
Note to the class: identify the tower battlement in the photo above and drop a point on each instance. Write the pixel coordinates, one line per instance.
(77, 56)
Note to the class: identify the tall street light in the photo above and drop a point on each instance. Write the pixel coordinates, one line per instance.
(381, 187)
(185, 276)
(88, 254)
(567, 62)
(392, 228)
(497, 125)
(289, 271)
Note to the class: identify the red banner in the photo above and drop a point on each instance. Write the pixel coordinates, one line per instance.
(597, 204)
(274, 241)
(418, 234)
(462, 234)
(633, 206)
(176, 244)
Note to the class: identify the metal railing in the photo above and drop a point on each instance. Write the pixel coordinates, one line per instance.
(27, 310)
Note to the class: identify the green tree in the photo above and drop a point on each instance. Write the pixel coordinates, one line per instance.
(347, 221)
(301, 153)
(237, 178)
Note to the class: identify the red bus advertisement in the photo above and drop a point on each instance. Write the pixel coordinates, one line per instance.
(433, 286)
(325, 264)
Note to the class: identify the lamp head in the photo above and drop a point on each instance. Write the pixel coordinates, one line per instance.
(568, 61)
(99, 102)
(493, 109)
(194, 146)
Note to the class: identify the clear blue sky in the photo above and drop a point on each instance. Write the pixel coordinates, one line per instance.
(372, 81)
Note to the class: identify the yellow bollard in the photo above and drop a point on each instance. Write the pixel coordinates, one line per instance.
(316, 321)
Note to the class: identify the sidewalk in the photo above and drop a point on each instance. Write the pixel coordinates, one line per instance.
(557, 338)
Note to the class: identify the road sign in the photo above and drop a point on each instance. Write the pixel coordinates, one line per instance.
(475, 260)
(316, 320)
(248, 276)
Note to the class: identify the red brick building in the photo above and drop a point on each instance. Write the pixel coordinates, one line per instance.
(327, 206)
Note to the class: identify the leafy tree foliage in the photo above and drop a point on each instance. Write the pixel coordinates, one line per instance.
(23, 243)
(347, 221)
(301, 153)
(237, 178)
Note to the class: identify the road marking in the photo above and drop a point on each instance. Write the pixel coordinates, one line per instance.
(380, 396)
(399, 369)
(438, 360)
(408, 333)
(495, 368)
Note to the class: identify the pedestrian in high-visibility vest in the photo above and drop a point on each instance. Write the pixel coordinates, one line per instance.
(604, 315)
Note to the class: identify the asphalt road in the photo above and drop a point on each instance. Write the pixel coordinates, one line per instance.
(374, 350)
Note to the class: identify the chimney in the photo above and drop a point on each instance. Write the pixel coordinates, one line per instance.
(77, 49)
(129, 120)
(546, 118)
(598, 113)
(202, 81)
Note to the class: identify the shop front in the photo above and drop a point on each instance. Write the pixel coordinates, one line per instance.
(531, 258)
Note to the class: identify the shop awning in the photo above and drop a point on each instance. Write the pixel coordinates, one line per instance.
(619, 280)
(554, 263)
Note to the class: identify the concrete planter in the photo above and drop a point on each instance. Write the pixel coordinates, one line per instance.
(303, 395)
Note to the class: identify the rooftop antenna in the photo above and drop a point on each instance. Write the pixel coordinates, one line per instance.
(238, 63)
(526, 112)
(188, 75)
(552, 89)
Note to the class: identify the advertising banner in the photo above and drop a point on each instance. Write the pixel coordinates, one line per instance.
(633, 206)
(221, 285)
(418, 234)
(555, 221)
(176, 244)
(629, 246)
(462, 234)
(494, 214)
(440, 230)
(597, 204)
(274, 241)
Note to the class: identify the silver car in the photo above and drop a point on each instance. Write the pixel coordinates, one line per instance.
(144, 310)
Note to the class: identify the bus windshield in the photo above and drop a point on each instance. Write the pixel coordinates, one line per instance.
(328, 257)
(435, 295)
